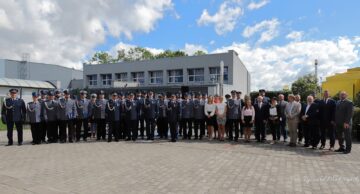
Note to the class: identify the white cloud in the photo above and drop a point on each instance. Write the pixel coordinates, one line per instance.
(268, 29)
(295, 35)
(127, 47)
(276, 66)
(254, 5)
(64, 32)
(212, 42)
(190, 49)
(224, 19)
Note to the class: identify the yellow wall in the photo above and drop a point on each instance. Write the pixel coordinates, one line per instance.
(348, 81)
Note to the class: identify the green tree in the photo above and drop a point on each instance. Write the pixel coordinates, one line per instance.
(305, 85)
(170, 54)
(102, 57)
(199, 52)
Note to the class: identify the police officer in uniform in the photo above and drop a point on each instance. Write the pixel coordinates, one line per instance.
(187, 107)
(82, 106)
(13, 112)
(34, 115)
(233, 115)
(173, 116)
(113, 117)
(49, 109)
(162, 123)
(99, 116)
(199, 116)
(42, 132)
(132, 107)
(123, 121)
(67, 114)
(151, 112)
(140, 98)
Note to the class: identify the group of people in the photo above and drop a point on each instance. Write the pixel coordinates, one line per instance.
(54, 116)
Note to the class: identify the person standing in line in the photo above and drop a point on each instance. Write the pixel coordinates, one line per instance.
(13, 112)
(99, 116)
(248, 118)
(310, 118)
(282, 103)
(173, 116)
(49, 109)
(327, 109)
(343, 119)
(221, 109)
(162, 123)
(199, 116)
(233, 110)
(91, 108)
(140, 98)
(241, 104)
(34, 114)
(292, 112)
(274, 118)
(209, 111)
(151, 113)
(301, 125)
(132, 111)
(42, 99)
(112, 111)
(187, 108)
(261, 118)
(82, 120)
(67, 114)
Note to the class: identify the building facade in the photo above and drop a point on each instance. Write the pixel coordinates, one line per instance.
(348, 82)
(58, 75)
(193, 73)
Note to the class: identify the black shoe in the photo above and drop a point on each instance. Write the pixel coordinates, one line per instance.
(347, 151)
(306, 145)
(322, 147)
(128, 139)
(20, 144)
(9, 144)
(340, 150)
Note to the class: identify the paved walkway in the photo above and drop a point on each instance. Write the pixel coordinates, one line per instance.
(182, 167)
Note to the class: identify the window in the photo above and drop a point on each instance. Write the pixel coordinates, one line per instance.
(121, 77)
(106, 79)
(175, 76)
(156, 77)
(92, 80)
(138, 77)
(196, 75)
(215, 74)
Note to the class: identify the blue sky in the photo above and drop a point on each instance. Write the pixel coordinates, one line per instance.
(319, 19)
(278, 40)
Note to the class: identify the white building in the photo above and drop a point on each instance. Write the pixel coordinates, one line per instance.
(58, 75)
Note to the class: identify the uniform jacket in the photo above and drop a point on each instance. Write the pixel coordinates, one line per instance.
(50, 110)
(173, 111)
(99, 109)
(162, 107)
(13, 110)
(112, 110)
(187, 108)
(199, 109)
(34, 112)
(233, 109)
(66, 109)
(132, 109)
(82, 107)
(151, 108)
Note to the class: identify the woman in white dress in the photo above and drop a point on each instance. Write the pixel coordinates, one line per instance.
(221, 109)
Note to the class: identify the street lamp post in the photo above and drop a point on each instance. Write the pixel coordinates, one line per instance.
(221, 79)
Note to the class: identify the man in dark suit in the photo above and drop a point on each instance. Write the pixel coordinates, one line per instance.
(261, 117)
(151, 112)
(112, 111)
(310, 118)
(132, 107)
(13, 112)
(173, 116)
(343, 120)
(327, 107)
